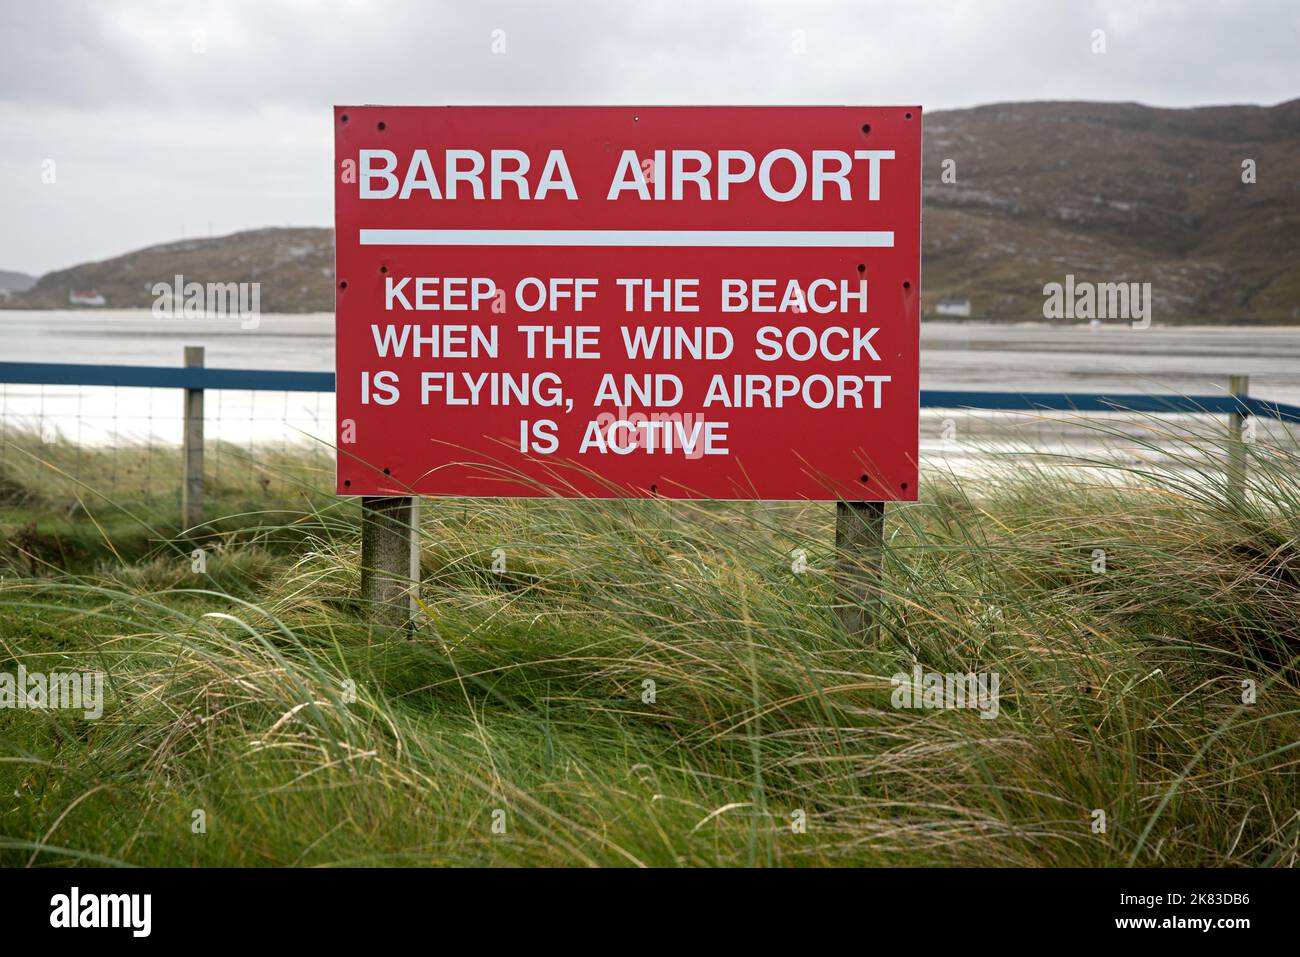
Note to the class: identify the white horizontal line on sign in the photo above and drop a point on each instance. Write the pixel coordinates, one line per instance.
(624, 237)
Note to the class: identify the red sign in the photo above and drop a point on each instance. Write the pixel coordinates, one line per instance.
(684, 302)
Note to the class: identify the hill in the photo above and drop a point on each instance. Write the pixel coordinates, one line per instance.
(16, 281)
(294, 265)
(1110, 192)
(1116, 192)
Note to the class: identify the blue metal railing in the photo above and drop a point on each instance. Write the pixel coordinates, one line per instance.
(165, 377)
(172, 377)
(1115, 402)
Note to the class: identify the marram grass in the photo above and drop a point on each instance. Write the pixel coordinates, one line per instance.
(650, 683)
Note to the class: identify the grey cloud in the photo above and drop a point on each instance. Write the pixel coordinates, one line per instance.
(151, 136)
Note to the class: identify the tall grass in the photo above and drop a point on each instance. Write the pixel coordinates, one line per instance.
(650, 683)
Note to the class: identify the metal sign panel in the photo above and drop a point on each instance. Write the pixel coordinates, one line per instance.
(685, 302)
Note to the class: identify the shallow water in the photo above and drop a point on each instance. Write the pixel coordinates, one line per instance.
(975, 356)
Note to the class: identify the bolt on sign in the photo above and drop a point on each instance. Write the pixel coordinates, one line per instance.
(679, 302)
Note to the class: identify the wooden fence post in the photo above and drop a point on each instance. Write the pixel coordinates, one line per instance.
(390, 559)
(192, 447)
(859, 559)
(1238, 385)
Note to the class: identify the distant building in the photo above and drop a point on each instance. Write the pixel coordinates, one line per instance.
(84, 297)
(953, 307)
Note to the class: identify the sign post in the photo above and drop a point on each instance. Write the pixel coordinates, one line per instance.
(390, 559)
(659, 302)
(859, 558)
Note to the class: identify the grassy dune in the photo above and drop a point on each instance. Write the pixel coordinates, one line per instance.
(522, 697)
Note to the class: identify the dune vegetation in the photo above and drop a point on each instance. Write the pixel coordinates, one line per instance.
(652, 683)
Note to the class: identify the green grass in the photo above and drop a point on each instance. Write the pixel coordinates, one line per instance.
(524, 692)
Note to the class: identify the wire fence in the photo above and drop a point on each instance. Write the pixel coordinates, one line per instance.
(960, 436)
(127, 440)
(262, 440)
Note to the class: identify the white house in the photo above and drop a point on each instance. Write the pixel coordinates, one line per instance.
(953, 307)
(82, 297)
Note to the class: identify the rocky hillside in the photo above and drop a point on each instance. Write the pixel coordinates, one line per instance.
(1111, 192)
(1116, 192)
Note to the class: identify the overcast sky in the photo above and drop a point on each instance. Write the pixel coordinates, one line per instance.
(170, 119)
